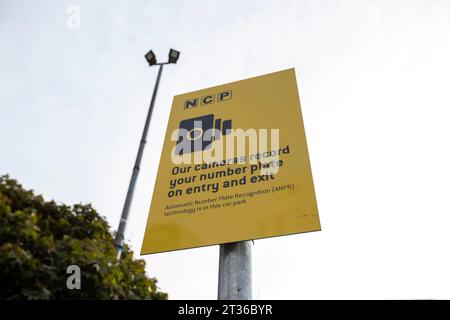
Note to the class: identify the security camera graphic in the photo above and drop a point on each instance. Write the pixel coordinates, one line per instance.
(197, 134)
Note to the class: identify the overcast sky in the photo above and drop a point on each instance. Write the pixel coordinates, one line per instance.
(373, 81)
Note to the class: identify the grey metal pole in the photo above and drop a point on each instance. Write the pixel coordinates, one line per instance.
(235, 271)
(118, 242)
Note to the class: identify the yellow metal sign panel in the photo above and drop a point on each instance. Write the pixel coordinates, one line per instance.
(234, 166)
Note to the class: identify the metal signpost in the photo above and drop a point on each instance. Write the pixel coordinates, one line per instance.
(235, 271)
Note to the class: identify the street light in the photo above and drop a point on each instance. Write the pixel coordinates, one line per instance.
(173, 55)
(151, 59)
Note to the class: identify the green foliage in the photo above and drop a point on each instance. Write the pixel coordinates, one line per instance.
(39, 240)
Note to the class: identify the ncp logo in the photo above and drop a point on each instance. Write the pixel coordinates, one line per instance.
(208, 99)
(197, 134)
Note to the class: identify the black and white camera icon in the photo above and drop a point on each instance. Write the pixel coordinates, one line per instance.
(197, 134)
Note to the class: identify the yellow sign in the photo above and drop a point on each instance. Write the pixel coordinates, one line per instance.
(234, 167)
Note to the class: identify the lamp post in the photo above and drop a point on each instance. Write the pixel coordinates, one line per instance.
(151, 59)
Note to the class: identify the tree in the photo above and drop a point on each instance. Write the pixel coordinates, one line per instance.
(40, 239)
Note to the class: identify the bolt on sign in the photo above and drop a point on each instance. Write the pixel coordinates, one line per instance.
(234, 167)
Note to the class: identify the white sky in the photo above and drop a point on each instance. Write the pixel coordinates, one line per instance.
(374, 85)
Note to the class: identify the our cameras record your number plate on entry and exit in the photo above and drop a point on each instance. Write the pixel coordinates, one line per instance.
(234, 167)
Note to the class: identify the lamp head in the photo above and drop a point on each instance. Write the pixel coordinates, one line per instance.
(173, 56)
(151, 58)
